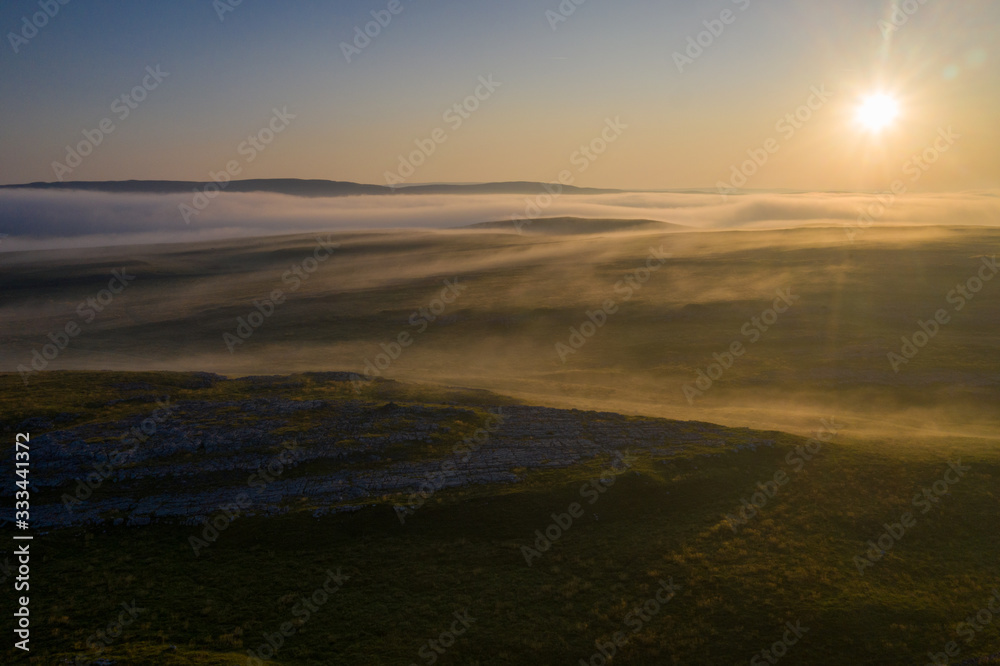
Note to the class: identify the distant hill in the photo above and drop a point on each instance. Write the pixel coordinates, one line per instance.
(578, 225)
(300, 188)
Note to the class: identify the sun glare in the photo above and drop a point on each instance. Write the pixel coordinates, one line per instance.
(878, 111)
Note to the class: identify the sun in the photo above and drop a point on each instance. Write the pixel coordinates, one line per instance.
(877, 111)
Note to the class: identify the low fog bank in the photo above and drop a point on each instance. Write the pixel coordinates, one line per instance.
(627, 323)
(37, 219)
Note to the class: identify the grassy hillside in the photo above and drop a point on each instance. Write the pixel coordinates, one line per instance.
(659, 516)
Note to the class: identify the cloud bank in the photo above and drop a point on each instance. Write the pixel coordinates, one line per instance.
(34, 219)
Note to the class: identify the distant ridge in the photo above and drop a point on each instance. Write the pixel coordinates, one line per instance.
(301, 188)
(577, 225)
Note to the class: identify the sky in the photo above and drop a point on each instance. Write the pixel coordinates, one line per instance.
(614, 94)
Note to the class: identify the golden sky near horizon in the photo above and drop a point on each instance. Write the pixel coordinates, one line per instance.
(633, 95)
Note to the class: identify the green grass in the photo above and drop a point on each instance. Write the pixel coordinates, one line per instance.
(463, 549)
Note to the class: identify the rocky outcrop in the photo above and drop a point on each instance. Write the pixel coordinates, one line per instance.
(272, 455)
